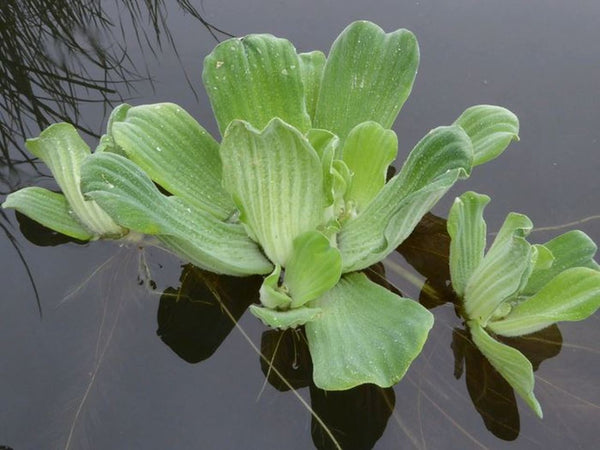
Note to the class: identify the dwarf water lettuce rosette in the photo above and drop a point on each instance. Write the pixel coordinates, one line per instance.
(517, 288)
(296, 189)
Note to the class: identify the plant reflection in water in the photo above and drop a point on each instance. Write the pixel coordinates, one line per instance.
(58, 55)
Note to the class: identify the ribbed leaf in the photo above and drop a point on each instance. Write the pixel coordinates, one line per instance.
(467, 231)
(571, 249)
(572, 295)
(276, 180)
(511, 363)
(311, 70)
(326, 145)
(256, 78)
(271, 295)
(544, 259)
(314, 268)
(291, 318)
(63, 151)
(539, 257)
(341, 181)
(368, 151)
(175, 152)
(434, 165)
(365, 334)
(368, 76)
(48, 208)
(130, 197)
(491, 129)
(499, 274)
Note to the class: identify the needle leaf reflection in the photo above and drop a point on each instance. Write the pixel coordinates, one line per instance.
(59, 55)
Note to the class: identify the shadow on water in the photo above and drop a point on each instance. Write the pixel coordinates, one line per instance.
(192, 320)
(491, 395)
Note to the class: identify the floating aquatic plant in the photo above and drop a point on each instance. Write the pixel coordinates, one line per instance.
(517, 288)
(295, 190)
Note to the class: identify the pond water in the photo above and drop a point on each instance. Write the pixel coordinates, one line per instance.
(108, 359)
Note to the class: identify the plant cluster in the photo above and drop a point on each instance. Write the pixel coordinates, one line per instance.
(517, 288)
(297, 191)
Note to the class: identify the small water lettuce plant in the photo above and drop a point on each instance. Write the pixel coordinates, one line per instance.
(517, 288)
(297, 188)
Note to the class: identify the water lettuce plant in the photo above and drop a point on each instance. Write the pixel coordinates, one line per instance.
(296, 190)
(517, 288)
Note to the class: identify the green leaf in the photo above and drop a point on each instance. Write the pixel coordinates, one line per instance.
(48, 208)
(271, 295)
(368, 76)
(435, 164)
(571, 249)
(126, 193)
(499, 274)
(572, 295)
(368, 151)
(467, 231)
(256, 78)
(365, 334)
(539, 257)
(510, 363)
(341, 181)
(314, 268)
(175, 152)
(544, 258)
(291, 318)
(491, 129)
(325, 143)
(311, 70)
(276, 180)
(63, 151)
(107, 143)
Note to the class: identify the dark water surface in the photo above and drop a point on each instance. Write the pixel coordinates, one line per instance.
(93, 373)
